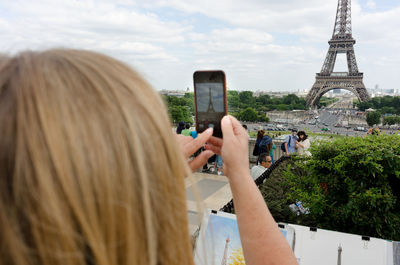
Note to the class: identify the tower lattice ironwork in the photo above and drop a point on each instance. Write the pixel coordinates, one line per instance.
(342, 42)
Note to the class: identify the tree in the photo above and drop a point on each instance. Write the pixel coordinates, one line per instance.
(391, 120)
(364, 105)
(248, 114)
(373, 118)
(262, 118)
(290, 99)
(388, 110)
(264, 99)
(180, 113)
(386, 104)
(351, 185)
(283, 107)
(246, 98)
(233, 99)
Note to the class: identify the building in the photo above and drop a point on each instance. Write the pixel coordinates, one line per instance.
(173, 93)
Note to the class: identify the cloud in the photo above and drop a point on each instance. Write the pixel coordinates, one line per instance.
(371, 4)
(93, 25)
(261, 44)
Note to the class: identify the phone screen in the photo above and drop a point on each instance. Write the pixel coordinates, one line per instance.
(210, 97)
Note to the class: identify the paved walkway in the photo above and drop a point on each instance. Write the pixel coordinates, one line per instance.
(205, 191)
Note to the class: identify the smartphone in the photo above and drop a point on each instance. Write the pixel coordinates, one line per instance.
(210, 100)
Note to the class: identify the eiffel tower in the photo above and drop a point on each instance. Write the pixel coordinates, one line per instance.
(210, 103)
(342, 42)
(225, 257)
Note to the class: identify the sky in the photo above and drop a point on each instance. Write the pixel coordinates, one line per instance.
(265, 45)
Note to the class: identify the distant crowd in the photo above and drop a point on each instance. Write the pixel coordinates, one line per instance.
(295, 143)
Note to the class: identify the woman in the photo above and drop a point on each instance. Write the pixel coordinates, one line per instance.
(260, 135)
(82, 180)
(303, 144)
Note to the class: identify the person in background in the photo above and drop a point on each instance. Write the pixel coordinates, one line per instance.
(265, 145)
(290, 143)
(260, 135)
(373, 131)
(186, 131)
(272, 147)
(265, 162)
(193, 134)
(303, 144)
(78, 181)
(218, 164)
(180, 127)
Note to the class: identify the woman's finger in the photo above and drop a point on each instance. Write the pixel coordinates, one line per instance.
(215, 149)
(191, 147)
(183, 140)
(227, 130)
(237, 127)
(215, 141)
(200, 160)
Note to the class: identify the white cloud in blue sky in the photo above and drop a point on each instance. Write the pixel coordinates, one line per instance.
(260, 44)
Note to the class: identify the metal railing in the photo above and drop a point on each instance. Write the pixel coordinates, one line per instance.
(229, 207)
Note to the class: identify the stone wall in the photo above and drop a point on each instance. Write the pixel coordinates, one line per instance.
(277, 152)
(289, 116)
(357, 121)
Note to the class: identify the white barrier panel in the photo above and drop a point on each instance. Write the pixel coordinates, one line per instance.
(219, 243)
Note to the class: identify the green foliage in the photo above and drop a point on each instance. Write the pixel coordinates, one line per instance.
(373, 118)
(386, 104)
(239, 104)
(180, 113)
(351, 184)
(324, 101)
(180, 109)
(364, 105)
(243, 105)
(249, 114)
(242, 100)
(246, 98)
(275, 191)
(391, 120)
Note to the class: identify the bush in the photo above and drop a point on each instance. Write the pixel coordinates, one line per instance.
(275, 191)
(350, 185)
(373, 118)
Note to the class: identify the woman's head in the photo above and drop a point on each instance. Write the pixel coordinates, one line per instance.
(82, 180)
(302, 135)
(260, 134)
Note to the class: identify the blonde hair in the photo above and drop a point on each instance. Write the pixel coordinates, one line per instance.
(82, 179)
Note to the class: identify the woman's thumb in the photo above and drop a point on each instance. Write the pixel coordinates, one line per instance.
(226, 126)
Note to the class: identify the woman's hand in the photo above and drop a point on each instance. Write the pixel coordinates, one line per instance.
(189, 146)
(235, 151)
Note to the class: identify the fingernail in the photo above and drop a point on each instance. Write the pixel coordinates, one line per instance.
(227, 120)
(209, 131)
